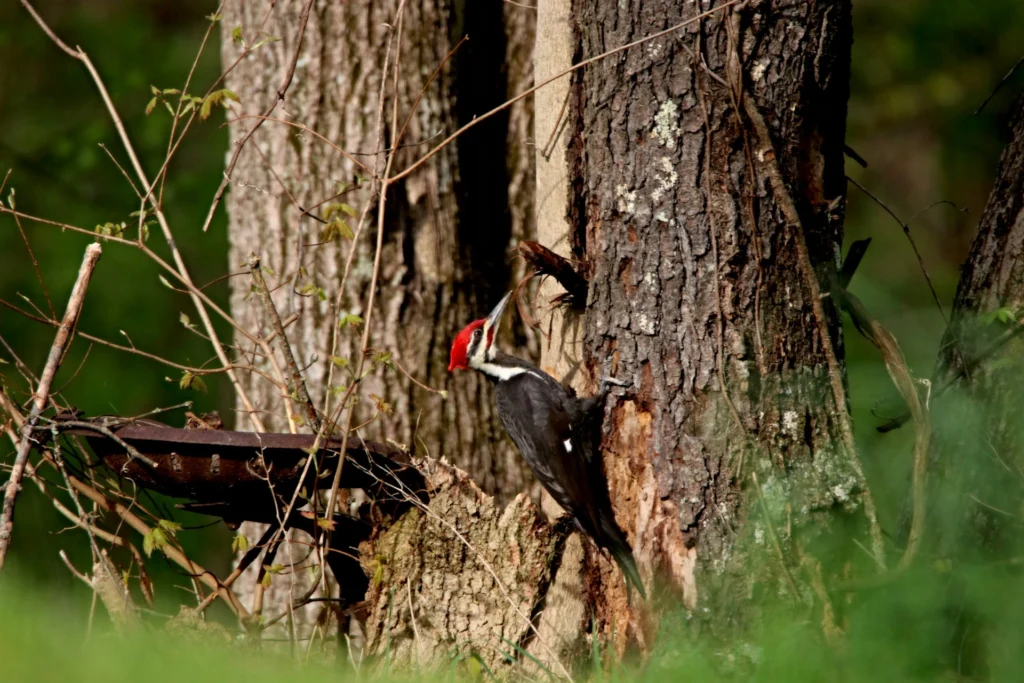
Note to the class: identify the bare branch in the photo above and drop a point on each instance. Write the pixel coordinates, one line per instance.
(60, 344)
(219, 194)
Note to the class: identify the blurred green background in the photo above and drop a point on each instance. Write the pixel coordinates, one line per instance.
(920, 70)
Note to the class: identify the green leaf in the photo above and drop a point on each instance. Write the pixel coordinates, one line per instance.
(144, 232)
(383, 358)
(266, 38)
(192, 381)
(169, 526)
(335, 229)
(155, 90)
(267, 579)
(313, 290)
(151, 106)
(10, 199)
(184, 320)
(347, 319)
(325, 524)
(217, 97)
(171, 91)
(274, 568)
(333, 209)
(111, 229)
(1003, 314)
(340, 362)
(164, 282)
(236, 36)
(156, 539)
(214, 17)
(240, 543)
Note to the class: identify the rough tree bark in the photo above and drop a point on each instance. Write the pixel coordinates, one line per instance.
(980, 357)
(449, 226)
(699, 293)
(977, 465)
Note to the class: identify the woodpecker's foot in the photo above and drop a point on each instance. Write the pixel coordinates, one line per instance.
(611, 381)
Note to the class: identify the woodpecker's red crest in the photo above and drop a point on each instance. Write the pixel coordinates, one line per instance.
(474, 345)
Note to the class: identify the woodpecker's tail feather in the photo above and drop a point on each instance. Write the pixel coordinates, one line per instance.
(623, 556)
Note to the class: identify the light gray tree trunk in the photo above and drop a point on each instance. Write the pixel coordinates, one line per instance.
(448, 229)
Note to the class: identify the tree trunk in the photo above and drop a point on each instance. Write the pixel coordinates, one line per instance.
(976, 497)
(699, 291)
(448, 229)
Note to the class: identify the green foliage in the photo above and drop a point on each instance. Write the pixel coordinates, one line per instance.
(1003, 315)
(349, 320)
(312, 290)
(335, 229)
(216, 98)
(190, 380)
(334, 209)
(239, 544)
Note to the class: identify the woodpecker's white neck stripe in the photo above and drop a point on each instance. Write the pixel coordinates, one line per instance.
(503, 372)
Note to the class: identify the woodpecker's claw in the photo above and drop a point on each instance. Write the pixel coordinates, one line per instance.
(602, 388)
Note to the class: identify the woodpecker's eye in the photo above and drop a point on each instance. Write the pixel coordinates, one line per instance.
(477, 332)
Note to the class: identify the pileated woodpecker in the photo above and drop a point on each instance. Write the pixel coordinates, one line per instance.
(553, 430)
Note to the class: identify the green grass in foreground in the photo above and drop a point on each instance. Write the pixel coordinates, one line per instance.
(900, 632)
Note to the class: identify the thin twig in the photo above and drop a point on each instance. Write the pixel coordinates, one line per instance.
(379, 248)
(306, 129)
(35, 266)
(289, 74)
(576, 67)
(42, 394)
(913, 244)
(999, 85)
(133, 453)
(298, 381)
(181, 271)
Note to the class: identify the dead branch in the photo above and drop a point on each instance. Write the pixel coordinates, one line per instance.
(899, 372)
(298, 381)
(112, 593)
(546, 262)
(42, 394)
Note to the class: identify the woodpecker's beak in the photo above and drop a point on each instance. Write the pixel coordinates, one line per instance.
(493, 321)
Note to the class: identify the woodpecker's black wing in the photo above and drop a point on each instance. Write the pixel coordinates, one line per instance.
(532, 406)
(551, 431)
